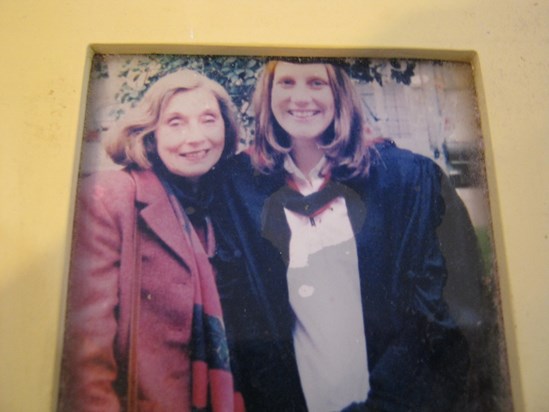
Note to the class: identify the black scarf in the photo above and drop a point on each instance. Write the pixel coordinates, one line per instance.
(195, 198)
(274, 225)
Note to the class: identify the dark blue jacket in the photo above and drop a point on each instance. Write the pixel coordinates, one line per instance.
(418, 358)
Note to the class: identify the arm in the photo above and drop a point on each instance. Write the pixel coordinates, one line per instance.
(89, 365)
(425, 366)
(422, 363)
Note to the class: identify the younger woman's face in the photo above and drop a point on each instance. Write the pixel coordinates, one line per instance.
(302, 100)
(190, 135)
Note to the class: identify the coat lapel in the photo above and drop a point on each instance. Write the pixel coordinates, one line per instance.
(158, 213)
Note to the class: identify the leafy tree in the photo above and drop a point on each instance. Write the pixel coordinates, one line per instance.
(237, 74)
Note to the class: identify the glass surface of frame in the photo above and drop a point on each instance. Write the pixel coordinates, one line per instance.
(424, 107)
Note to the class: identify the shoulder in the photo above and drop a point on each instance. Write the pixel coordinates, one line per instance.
(240, 164)
(112, 189)
(242, 174)
(391, 164)
(391, 157)
(110, 181)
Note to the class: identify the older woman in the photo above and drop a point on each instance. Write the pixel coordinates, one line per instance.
(340, 305)
(144, 329)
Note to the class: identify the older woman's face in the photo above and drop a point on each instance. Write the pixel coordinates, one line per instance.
(302, 100)
(190, 135)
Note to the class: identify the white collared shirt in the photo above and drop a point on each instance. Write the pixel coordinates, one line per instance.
(324, 288)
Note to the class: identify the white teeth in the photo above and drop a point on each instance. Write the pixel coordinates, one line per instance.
(302, 114)
(195, 155)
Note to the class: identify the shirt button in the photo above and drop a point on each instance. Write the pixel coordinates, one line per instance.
(306, 291)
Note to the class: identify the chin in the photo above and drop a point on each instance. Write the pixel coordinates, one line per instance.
(305, 136)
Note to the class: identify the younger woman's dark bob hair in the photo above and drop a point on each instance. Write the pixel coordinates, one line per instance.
(132, 141)
(345, 144)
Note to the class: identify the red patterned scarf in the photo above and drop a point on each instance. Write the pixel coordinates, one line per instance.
(212, 380)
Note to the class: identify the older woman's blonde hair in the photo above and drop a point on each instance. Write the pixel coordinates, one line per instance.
(132, 141)
(346, 145)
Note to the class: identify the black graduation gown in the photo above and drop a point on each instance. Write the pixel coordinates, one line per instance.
(417, 356)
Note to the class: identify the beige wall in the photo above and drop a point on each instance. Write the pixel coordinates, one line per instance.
(43, 56)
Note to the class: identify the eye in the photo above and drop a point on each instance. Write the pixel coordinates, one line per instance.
(209, 118)
(175, 122)
(318, 83)
(286, 82)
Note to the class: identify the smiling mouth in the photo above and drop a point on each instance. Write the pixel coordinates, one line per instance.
(197, 155)
(303, 114)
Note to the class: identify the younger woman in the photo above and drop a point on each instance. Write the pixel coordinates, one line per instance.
(340, 302)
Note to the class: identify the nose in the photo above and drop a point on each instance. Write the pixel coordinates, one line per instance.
(301, 95)
(193, 134)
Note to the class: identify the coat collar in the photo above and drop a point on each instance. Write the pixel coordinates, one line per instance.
(156, 210)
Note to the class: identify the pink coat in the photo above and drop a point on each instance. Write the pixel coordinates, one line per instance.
(98, 310)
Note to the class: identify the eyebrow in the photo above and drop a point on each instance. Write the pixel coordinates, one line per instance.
(174, 115)
(318, 77)
(210, 111)
(323, 76)
(205, 112)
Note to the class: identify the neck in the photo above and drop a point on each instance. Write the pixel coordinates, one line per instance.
(193, 184)
(189, 184)
(306, 155)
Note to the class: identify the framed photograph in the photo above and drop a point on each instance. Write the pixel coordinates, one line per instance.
(393, 269)
(50, 60)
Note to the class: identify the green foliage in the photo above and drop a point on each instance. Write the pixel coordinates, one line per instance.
(485, 244)
(237, 74)
(402, 72)
(100, 69)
